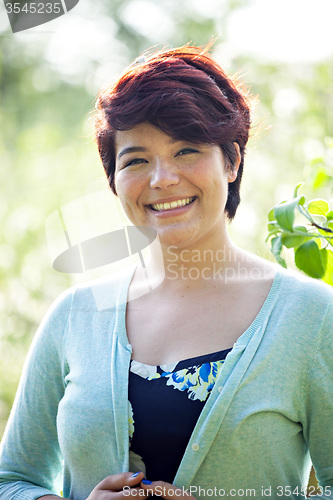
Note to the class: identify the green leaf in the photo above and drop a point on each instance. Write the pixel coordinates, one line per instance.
(321, 178)
(271, 216)
(318, 207)
(273, 227)
(272, 233)
(292, 240)
(297, 188)
(317, 161)
(276, 247)
(310, 259)
(329, 215)
(328, 278)
(285, 212)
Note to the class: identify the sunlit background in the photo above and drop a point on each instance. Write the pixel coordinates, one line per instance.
(49, 77)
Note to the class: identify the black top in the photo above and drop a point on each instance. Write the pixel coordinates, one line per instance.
(166, 402)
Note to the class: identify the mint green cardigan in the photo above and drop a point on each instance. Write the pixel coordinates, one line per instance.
(271, 408)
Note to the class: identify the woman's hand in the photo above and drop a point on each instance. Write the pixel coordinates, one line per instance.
(165, 490)
(118, 486)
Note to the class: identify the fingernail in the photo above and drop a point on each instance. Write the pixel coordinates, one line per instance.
(146, 481)
(135, 474)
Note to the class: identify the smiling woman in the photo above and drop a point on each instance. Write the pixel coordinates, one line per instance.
(207, 372)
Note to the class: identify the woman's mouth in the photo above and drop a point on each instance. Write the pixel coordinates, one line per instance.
(182, 202)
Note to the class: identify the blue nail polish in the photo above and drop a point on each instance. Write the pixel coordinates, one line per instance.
(135, 474)
(146, 481)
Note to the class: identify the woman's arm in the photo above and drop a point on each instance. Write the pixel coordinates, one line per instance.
(318, 428)
(30, 458)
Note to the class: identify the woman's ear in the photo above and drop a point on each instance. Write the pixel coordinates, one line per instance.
(233, 169)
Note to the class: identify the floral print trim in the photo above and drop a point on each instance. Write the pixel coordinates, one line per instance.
(197, 380)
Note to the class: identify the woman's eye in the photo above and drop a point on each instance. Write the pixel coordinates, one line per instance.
(186, 151)
(135, 161)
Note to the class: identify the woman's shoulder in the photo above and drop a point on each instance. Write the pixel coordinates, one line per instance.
(97, 294)
(296, 297)
(303, 309)
(293, 282)
(301, 287)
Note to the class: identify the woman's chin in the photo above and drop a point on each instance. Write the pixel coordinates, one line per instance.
(177, 238)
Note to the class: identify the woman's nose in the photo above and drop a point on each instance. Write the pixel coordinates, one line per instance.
(163, 174)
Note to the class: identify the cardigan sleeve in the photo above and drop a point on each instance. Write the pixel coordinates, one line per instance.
(30, 458)
(319, 407)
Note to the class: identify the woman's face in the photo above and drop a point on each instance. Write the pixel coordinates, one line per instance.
(176, 187)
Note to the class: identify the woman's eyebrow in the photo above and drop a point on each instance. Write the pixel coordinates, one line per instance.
(132, 149)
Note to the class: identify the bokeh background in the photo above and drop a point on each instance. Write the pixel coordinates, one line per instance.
(49, 77)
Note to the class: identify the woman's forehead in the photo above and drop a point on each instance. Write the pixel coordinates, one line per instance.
(142, 135)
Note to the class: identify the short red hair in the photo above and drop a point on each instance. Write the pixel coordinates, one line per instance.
(184, 93)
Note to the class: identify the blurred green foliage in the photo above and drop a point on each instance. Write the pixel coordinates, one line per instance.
(48, 157)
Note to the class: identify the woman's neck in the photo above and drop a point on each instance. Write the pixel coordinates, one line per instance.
(192, 267)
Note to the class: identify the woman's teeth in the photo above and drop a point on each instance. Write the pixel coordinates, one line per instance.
(172, 204)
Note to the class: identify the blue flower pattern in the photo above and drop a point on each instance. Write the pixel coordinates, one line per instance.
(197, 380)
